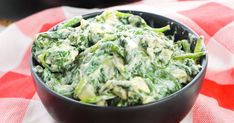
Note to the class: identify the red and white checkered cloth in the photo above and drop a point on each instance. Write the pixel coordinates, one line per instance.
(214, 20)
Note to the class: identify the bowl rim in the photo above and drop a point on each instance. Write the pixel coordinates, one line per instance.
(192, 82)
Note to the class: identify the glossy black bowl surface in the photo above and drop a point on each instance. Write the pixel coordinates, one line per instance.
(170, 109)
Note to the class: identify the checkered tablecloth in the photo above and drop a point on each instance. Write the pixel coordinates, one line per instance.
(214, 20)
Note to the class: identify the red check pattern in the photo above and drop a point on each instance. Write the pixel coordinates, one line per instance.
(214, 20)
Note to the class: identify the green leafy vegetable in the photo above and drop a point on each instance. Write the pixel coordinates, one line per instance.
(198, 46)
(72, 22)
(162, 29)
(190, 55)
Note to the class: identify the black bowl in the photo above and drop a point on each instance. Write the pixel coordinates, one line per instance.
(170, 109)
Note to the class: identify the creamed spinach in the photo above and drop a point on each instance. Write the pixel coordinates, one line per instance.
(114, 59)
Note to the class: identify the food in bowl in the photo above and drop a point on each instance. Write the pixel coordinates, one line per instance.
(114, 59)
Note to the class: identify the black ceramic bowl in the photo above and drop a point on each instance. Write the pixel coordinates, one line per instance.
(170, 109)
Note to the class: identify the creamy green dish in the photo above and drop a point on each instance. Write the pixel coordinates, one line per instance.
(114, 59)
